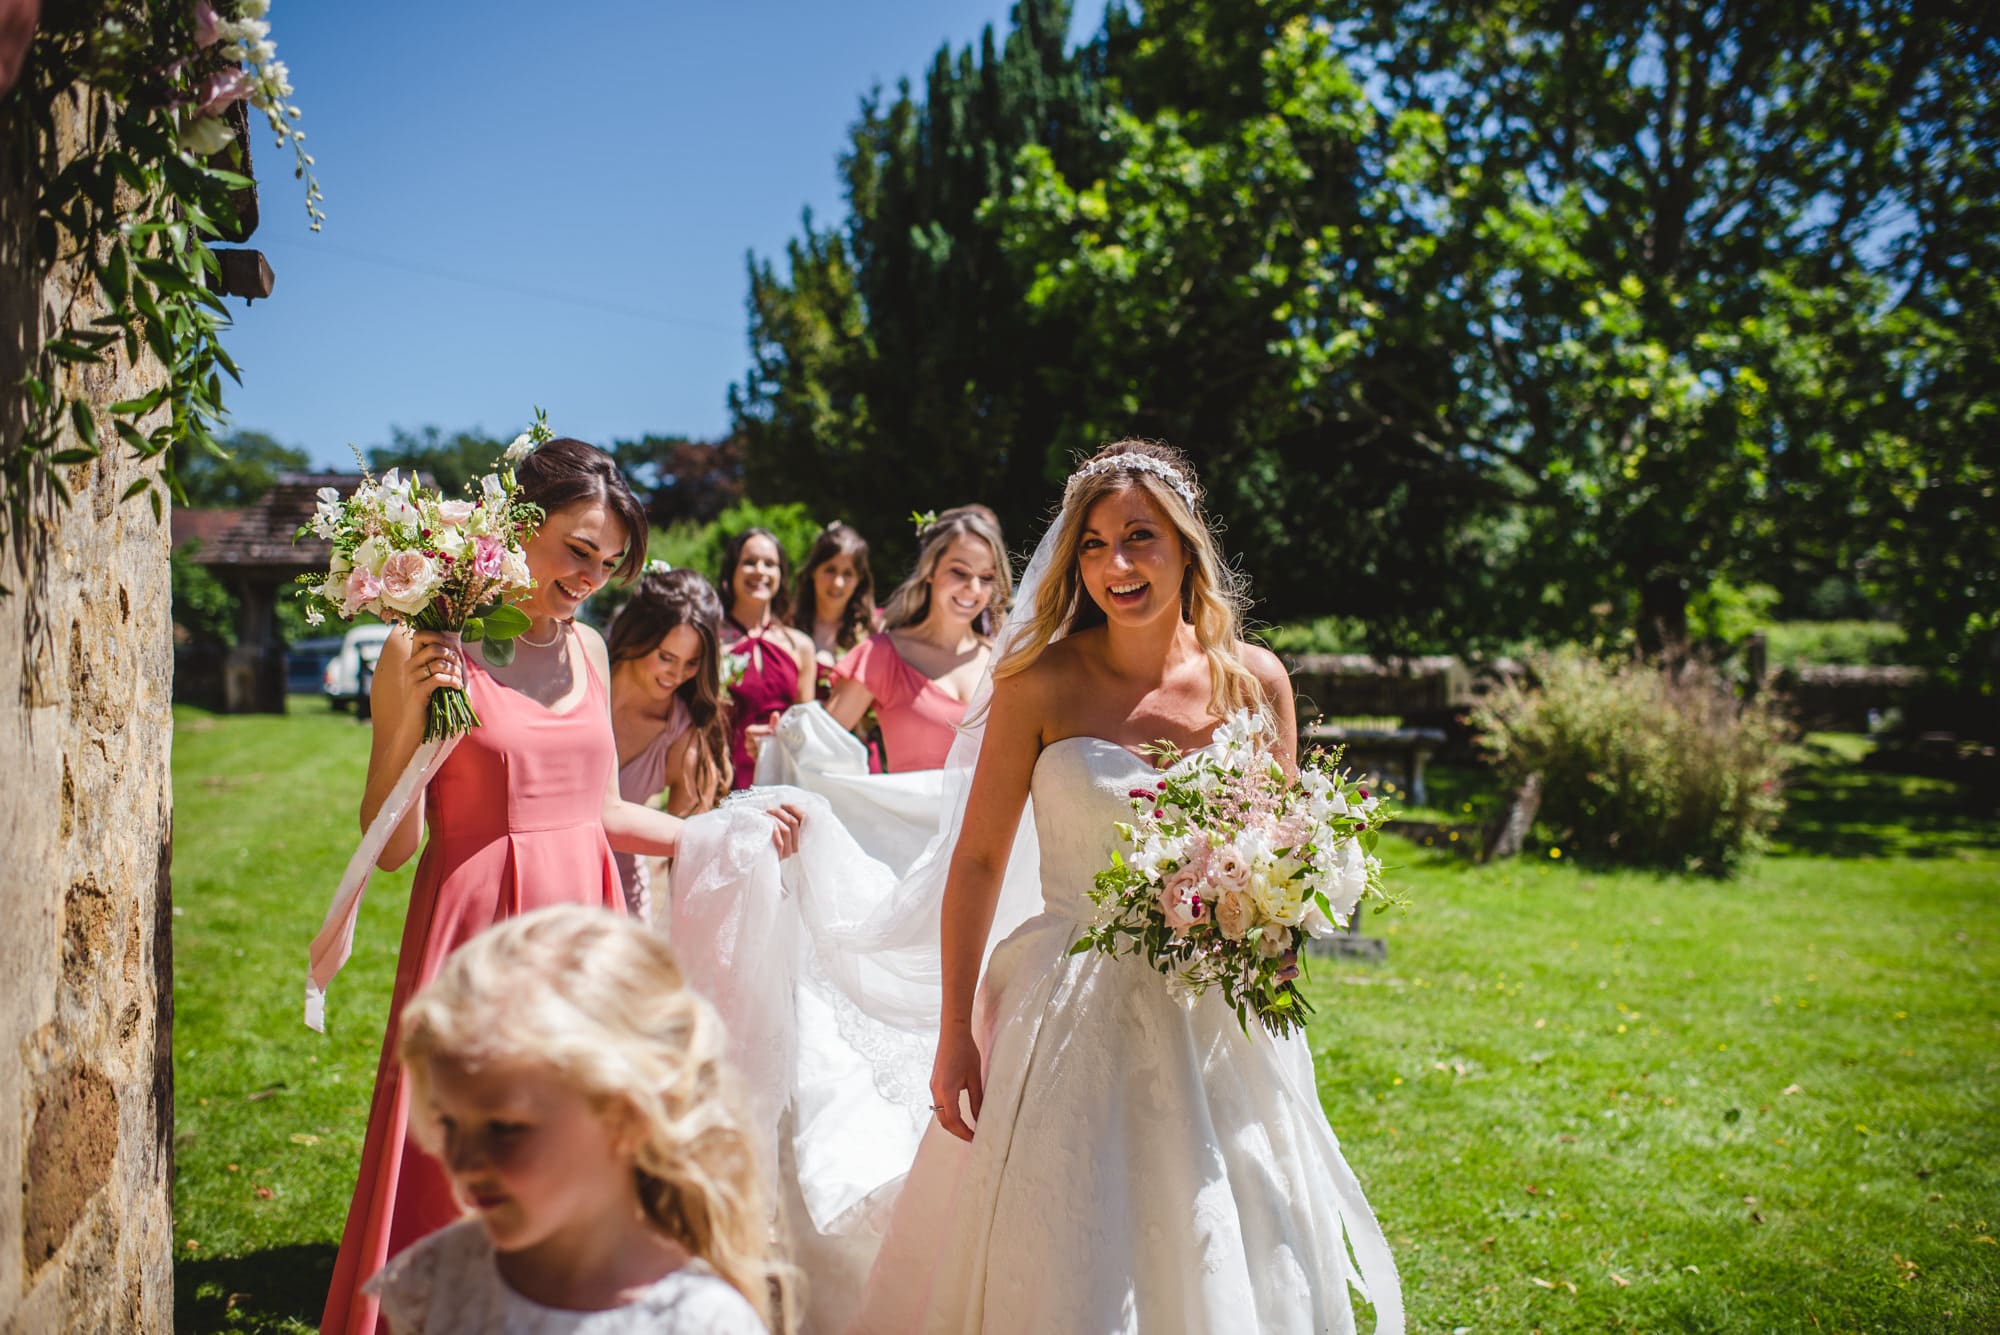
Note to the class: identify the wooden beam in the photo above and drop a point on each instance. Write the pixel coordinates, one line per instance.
(245, 273)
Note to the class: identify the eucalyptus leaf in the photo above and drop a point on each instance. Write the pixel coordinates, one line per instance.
(473, 631)
(498, 653)
(506, 621)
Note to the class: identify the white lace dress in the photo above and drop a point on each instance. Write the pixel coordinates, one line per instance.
(448, 1284)
(1138, 1165)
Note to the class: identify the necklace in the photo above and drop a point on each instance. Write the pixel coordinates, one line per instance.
(541, 644)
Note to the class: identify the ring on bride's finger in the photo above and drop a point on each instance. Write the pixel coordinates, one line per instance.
(937, 1107)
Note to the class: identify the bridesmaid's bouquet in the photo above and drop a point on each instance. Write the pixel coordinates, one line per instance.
(410, 555)
(1232, 867)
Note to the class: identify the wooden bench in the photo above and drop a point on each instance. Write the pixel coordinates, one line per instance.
(1400, 753)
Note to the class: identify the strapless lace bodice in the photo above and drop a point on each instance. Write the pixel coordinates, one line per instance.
(1081, 791)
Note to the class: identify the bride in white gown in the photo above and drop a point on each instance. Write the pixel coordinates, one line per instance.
(1107, 1158)
(1093, 1155)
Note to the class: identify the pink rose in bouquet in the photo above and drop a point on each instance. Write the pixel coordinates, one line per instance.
(407, 578)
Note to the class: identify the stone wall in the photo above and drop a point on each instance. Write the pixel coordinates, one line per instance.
(86, 1078)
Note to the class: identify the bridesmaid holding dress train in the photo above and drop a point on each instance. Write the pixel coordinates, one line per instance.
(918, 671)
(773, 662)
(523, 814)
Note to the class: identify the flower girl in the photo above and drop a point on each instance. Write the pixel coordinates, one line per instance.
(574, 1092)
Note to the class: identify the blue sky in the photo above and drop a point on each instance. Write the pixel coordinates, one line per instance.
(530, 204)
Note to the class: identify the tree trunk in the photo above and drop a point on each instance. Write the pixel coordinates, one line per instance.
(1663, 618)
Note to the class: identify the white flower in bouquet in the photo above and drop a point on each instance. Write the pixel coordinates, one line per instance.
(1278, 896)
(520, 447)
(1239, 732)
(371, 554)
(1347, 877)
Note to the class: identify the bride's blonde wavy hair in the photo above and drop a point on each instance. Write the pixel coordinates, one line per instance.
(1212, 596)
(600, 1000)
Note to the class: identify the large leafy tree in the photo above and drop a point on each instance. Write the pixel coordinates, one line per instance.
(1668, 220)
(1501, 317)
(895, 365)
(680, 480)
(238, 471)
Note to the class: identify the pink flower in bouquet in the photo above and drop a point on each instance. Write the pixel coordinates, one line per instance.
(406, 581)
(1234, 914)
(1228, 868)
(455, 513)
(1181, 903)
(362, 589)
(488, 555)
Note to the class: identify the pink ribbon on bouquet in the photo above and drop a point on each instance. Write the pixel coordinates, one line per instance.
(335, 941)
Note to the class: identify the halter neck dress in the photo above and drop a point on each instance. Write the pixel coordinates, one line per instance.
(769, 685)
(516, 822)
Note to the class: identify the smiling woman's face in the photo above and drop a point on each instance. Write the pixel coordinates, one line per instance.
(573, 553)
(1130, 558)
(758, 570)
(964, 581)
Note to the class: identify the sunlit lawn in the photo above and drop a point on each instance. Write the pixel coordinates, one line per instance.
(1580, 1101)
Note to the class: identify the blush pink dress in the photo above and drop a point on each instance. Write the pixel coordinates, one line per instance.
(640, 780)
(918, 717)
(516, 822)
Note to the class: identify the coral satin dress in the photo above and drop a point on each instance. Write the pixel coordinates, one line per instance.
(919, 718)
(516, 822)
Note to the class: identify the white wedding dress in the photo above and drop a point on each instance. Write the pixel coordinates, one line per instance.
(1139, 1164)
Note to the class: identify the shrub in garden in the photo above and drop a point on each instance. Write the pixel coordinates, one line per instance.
(1639, 763)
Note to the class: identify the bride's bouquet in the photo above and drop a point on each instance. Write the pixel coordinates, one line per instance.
(1231, 867)
(408, 554)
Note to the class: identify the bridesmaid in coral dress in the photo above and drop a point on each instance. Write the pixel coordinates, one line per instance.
(919, 670)
(524, 813)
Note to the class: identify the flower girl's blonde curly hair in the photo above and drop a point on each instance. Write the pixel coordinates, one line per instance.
(1211, 594)
(599, 999)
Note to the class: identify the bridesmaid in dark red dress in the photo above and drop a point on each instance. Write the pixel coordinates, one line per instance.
(524, 813)
(773, 663)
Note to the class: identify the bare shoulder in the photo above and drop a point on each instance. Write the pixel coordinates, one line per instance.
(592, 642)
(802, 643)
(1266, 667)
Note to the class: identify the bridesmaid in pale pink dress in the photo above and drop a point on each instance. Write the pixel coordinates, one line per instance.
(666, 705)
(524, 813)
(919, 670)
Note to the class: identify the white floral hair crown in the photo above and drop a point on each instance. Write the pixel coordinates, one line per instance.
(659, 568)
(1139, 463)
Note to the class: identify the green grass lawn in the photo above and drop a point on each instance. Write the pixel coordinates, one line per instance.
(1580, 1100)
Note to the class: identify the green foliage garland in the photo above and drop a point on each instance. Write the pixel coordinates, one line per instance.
(133, 214)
